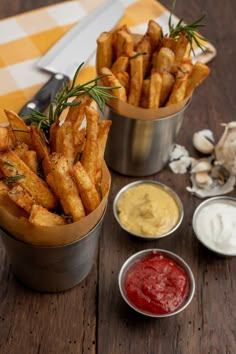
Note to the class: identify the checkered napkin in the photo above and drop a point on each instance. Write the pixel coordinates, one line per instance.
(26, 37)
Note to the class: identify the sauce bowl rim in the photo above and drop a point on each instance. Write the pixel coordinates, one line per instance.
(180, 261)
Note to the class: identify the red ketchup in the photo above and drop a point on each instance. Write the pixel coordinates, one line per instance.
(156, 284)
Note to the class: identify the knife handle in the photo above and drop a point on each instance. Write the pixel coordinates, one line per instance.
(45, 95)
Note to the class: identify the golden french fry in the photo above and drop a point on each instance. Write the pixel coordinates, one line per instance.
(104, 54)
(20, 149)
(111, 81)
(20, 129)
(40, 216)
(90, 153)
(136, 78)
(124, 43)
(121, 64)
(40, 145)
(6, 138)
(183, 67)
(154, 31)
(199, 73)
(181, 46)
(155, 89)
(31, 160)
(103, 130)
(16, 171)
(74, 111)
(53, 135)
(168, 42)
(144, 46)
(179, 90)
(22, 198)
(65, 141)
(123, 78)
(65, 187)
(79, 140)
(87, 189)
(164, 60)
(145, 93)
(168, 81)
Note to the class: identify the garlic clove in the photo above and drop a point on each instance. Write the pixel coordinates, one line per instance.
(201, 165)
(203, 141)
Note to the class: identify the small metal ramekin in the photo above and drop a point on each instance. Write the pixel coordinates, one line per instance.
(178, 260)
(164, 187)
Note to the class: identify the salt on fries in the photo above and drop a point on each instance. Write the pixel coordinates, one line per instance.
(151, 70)
(54, 180)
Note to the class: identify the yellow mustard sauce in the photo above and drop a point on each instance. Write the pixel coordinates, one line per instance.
(148, 210)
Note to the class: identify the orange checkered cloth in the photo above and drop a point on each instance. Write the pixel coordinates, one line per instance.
(26, 37)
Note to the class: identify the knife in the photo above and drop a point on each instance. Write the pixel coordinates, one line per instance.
(74, 48)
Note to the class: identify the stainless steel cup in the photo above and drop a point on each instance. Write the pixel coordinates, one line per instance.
(138, 147)
(52, 269)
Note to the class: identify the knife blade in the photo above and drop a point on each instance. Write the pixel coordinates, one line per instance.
(74, 48)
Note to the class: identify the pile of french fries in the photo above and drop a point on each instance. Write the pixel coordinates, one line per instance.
(152, 71)
(58, 180)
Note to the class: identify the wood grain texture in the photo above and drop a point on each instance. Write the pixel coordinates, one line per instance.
(92, 317)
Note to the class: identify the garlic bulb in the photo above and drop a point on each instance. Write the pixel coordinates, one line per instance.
(225, 150)
(203, 141)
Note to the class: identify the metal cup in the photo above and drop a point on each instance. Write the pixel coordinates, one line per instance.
(139, 147)
(52, 269)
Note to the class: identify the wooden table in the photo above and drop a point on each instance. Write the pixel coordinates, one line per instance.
(92, 317)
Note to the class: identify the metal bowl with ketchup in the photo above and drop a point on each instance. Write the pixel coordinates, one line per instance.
(148, 209)
(156, 283)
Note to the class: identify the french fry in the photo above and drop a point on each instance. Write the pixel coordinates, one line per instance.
(66, 188)
(155, 32)
(90, 153)
(199, 72)
(16, 171)
(22, 198)
(183, 67)
(136, 78)
(112, 81)
(31, 160)
(178, 92)
(168, 42)
(20, 129)
(168, 81)
(181, 46)
(53, 135)
(124, 43)
(155, 89)
(79, 140)
(121, 64)
(145, 93)
(5, 138)
(87, 189)
(123, 78)
(74, 111)
(164, 60)
(103, 131)
(144, 46)
(42, 217)
(65, 141)
(39, 143)
(104, 53)
(20, 149)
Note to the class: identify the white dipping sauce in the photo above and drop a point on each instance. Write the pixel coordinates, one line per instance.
(215, 225)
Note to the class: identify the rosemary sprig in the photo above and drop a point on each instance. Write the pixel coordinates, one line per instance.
(64, 99)
(12, 179)
(190, 30)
